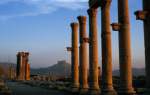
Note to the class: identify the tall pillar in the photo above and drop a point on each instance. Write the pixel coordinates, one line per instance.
(124, 48)
(83, 56)
(93, 52)
(27, 67)
(20, 66)
(145, 16)
(75, 69)
(23, 67)
(107, 84)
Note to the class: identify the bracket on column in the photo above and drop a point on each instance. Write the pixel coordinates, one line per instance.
(141, 15)
(116, 26)
(69, 48)
(86, 40)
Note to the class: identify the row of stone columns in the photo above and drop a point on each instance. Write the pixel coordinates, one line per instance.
(123, 26)
(94, 89)
(81, 80)
(145, 16)
(23, 67)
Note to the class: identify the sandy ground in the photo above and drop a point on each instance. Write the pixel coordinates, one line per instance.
(22, 89)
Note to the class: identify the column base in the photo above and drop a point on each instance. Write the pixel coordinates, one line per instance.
(94, 92)
(74, 90)
(126, 92)
(108, 92)
(83, 91)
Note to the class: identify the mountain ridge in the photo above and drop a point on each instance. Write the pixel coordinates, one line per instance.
(62, 68)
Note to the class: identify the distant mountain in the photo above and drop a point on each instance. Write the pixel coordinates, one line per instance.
(136, 72)
(62, 68)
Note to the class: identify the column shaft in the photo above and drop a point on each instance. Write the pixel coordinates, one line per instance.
(107, 84)
(146, 7)
(125, 48)
(27, 67)
(75, 71)
(83, 55)
(18, 67)
(93, 50)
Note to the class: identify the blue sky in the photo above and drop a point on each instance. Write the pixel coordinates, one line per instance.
(42, 27)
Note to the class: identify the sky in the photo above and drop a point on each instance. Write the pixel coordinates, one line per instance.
(42, 27)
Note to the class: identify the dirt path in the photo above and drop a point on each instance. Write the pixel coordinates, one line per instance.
(22, 89)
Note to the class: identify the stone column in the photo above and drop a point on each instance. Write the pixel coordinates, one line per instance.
(124, 48)
(93, 52)
(145, 16)
(27, 67)
(19, 66)
(83, 56)
(107, 84)
(23, 65)
(75, 61)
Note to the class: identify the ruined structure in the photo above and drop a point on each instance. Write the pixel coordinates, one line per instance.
(125, 62)
(74, 56)
(145, 16)
(107, 85)
(83, 55)
(93, 52)
(123, 26)
(23, 67)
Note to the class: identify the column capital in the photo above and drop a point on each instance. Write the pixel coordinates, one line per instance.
(105, 3)
(82, 19)
(141, 15)
(74, 24)
(92, 12)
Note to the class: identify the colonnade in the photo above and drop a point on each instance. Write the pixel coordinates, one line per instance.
(125, 56)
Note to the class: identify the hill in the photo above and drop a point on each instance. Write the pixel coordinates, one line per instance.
(62, 68)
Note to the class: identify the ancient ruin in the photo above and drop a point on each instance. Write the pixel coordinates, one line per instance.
(74, 57)
(107, 84)
(23, 67)
(93, 52)
(87, 77)
(83, 56)
(123, 26)
(144, 15)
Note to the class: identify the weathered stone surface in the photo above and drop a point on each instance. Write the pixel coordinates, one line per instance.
(93, 52)
(83, 56)
(107, 85)
(125, 49)
(23, 67)
(146, 8)
(75, 58)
